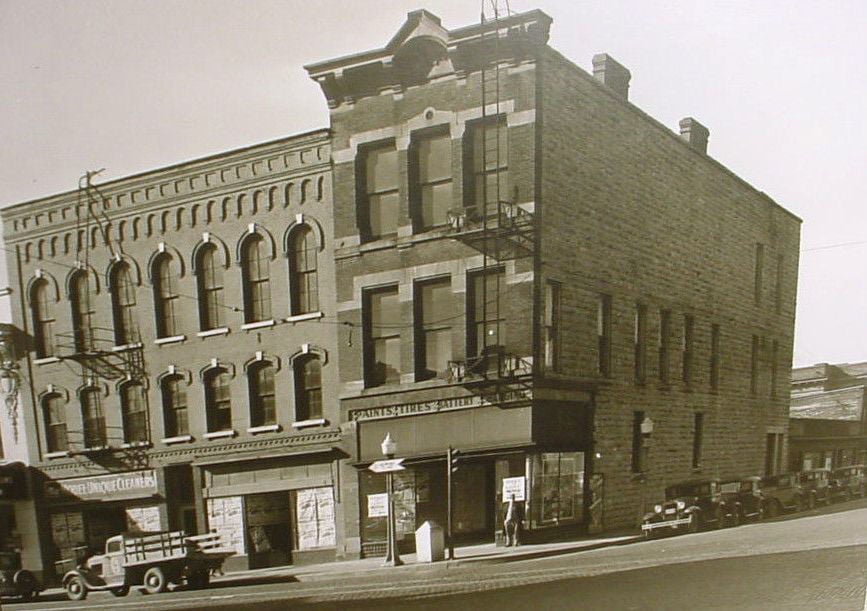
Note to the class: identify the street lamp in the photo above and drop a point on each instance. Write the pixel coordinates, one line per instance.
(392, 557)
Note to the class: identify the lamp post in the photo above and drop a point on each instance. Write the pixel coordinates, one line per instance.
(392, 557)
(646, 432)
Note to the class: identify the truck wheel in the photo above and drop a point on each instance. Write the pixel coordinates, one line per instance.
(76, 588)
(121, 591)
(155, 580)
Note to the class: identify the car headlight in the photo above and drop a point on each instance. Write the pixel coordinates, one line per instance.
(681, 505)
(657, 508)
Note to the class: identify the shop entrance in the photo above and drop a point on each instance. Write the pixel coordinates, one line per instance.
(267, 517)
(102, 523)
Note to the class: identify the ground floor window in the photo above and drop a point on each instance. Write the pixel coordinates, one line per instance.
(558, 487)
(314, 518)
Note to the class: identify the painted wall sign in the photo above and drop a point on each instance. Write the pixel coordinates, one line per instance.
(441, 405)
(129, 485)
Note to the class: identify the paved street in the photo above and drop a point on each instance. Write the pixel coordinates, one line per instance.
(816, 560)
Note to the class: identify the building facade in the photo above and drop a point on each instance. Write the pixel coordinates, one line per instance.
(489, 250)
(828, 427)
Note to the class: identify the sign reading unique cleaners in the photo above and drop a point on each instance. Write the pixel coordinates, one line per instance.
(129, 485)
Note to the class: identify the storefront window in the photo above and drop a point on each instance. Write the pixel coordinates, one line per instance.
(558, 487)
(314, 518)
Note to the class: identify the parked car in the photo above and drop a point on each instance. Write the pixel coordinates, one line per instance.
(847, 482)
(151, 560)
(743, 499)
(782, 493)
(688, 507)
(815, 483)
(17, 582)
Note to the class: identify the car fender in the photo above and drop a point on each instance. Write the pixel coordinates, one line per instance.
(91, 579)
(691, 510)
(24, 579)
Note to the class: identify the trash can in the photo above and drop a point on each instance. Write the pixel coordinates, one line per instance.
(429, 542)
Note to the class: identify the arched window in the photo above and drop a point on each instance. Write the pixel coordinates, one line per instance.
(134, 412)
(165, 295)
(82, 311)
(263, 405)
(303, 276)
(54, 412)
(308, 388)
(123, 305)
(43, 319)
(210, 281)
(218, 400)
(257, 284)
(92, 418)
(175, 406)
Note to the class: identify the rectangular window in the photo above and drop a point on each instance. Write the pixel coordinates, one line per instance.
(664, 338)
(263, 396)
(552, 326)
(485, 323)
(175, 407)
(775, 349)
(380, 180)
(714, 356)
(640, 341)
(697, 435)
(778, 286)
(431, 180)
(754, 365)
(687, 351)
(774, 454)
(637, 443)
(486, 166)
(382, 337)
(134, 413)
(760, 264)
(434, 313)
(603, 333)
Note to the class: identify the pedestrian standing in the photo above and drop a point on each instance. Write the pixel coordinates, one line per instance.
(513, 522)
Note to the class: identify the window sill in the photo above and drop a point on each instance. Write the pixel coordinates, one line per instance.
(212, 332)
(61, 454)
(261, 324)
(174, 339)
(135, 444)
(303, 317)
(696, 469)
(46, 360)
(94, 449)
(303, 424)
(125, 347)
(178, 439)
(265, 428)
(219, 434)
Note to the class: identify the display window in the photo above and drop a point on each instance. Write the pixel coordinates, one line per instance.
(314, 518)
(558, 487)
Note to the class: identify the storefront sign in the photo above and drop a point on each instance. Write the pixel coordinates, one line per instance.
(441, 405)
(514, 485)
(130, 485)
(377, 505)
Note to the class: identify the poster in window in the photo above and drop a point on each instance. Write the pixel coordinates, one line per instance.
(422, 487)
(143, 519)
(404, 503)
(315, 518)
(226, 516)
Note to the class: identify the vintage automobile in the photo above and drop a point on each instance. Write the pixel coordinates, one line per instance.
(847, 482)
(743, 498)
(782, 493)
(15, 581)
(815, 483)
(688, 506)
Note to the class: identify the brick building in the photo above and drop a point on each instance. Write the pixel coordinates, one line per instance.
(489, 249)
(828, 426)
(583, 303)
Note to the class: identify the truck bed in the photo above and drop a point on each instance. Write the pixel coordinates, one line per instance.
(175, 545)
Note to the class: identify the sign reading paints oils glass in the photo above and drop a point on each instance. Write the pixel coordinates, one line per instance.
(116, 486)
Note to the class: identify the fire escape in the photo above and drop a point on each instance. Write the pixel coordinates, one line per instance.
(496, 226)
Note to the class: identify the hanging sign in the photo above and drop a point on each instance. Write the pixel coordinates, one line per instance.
(387, 466)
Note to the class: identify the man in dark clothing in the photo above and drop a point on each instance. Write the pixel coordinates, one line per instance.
(513, 522)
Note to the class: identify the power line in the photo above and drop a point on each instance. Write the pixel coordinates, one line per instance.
(837, 245)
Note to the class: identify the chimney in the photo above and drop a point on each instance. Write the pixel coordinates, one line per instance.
(612, 74)
(695, 134)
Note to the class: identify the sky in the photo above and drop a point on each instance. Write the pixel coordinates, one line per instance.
(131, 86)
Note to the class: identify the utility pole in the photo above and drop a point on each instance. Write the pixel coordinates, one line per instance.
(451, 466)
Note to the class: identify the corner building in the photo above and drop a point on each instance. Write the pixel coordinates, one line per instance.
(530, 269)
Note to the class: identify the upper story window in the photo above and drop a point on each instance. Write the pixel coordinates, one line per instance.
(486, 166)
(303, 274)
(434, 313)
(263, 404)
(381, 337)
(603, 332)
(165, 295)
(714, 356)
(754, 364)
(486, 325)
(134, 413)
(92, 418)
(256, 279)
(210, 284)
(664, 341)
(759, 271)
(218, 400)
(175, 406)
(82, 311)
(308, 388)
(778, 286)
(687, 350)
(552, 326)
(123, 305)
(54, 412)
(378, 189)
(775, 349)
(43, 319)
(640, 342)
(430, 180)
